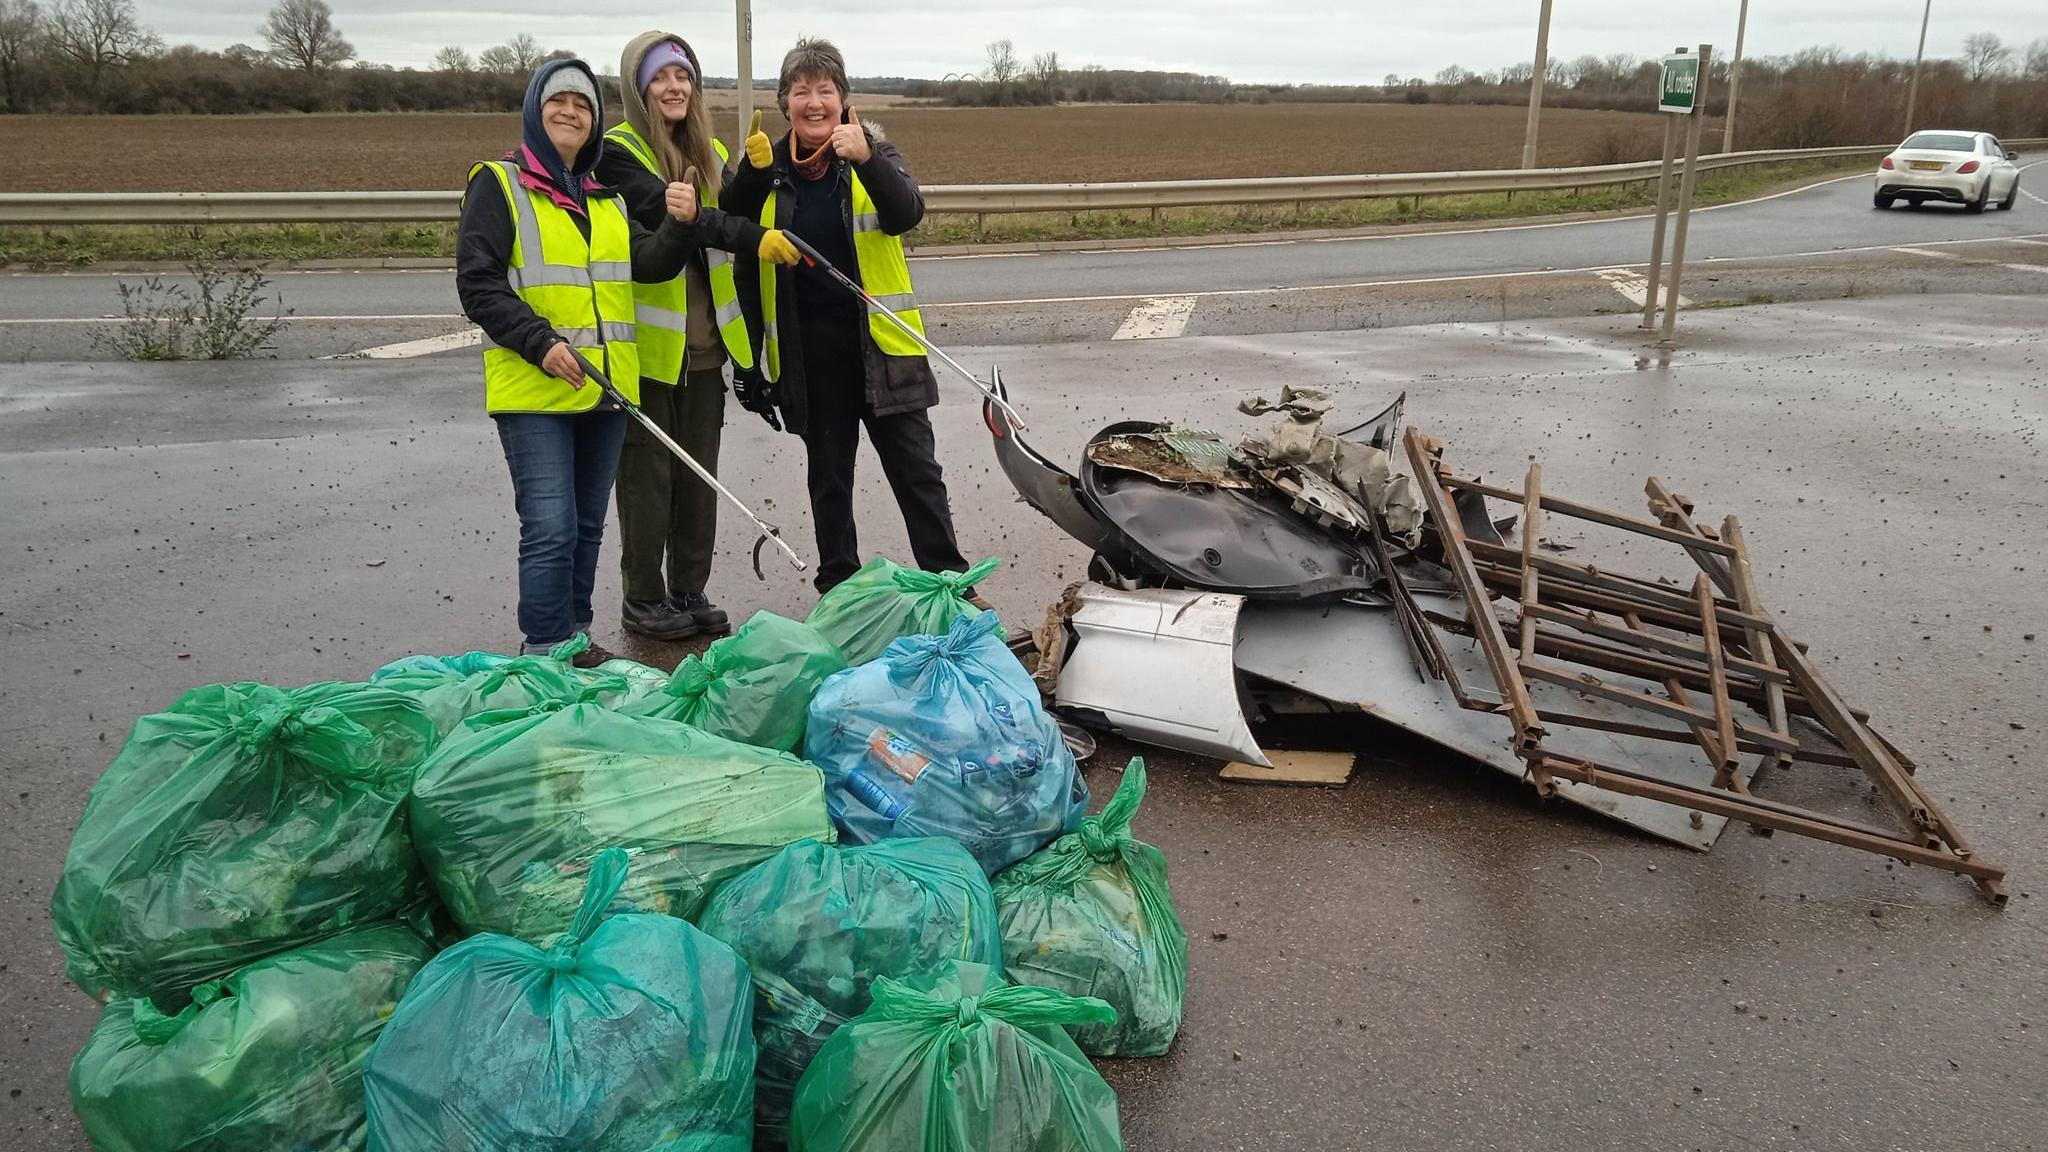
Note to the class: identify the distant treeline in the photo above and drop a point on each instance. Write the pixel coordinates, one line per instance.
(86, 56)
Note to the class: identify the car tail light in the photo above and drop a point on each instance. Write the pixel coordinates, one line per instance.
(1885, 163)
(1968, 167)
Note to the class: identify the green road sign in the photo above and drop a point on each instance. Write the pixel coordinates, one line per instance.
(1681, 84)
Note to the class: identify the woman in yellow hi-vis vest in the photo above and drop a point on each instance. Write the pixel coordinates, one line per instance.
(545, 261)
(689, 327)
(826, 366)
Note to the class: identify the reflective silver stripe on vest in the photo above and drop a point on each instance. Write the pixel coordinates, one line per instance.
(611, 330)
(897, 301)
(866, 222)
(549, 275)
(613, 270)
(664, 318)
(773, 331)
(523, 219)
(726, 313)
(716, 258)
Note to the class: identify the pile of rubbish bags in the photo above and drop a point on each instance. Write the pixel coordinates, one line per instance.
(815, 888)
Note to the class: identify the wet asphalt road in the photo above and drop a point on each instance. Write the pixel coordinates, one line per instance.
(1030, 298)
(1425, 959)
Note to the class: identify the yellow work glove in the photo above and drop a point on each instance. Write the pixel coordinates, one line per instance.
(776, 248)
(760, 150)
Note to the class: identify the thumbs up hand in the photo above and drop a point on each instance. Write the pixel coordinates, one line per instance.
(850, 140)
(760, 150)
(682, 197)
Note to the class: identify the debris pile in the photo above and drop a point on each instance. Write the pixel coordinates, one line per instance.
(1298, 572)
(510, 900)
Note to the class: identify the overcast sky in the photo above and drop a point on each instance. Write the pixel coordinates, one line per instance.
(1306, 41)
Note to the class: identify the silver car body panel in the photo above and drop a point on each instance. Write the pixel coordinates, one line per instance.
(1157, 665)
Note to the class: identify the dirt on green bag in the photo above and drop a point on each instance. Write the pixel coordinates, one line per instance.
(1091, 915)
(817, 923)
(626, 1034)
(270, 1058)
(753, 686)
(242, 821)
(960, 1062)
(885, 601)
(510, 812)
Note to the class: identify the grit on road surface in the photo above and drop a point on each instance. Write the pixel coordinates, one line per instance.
(1819, 242)
(1427, 958)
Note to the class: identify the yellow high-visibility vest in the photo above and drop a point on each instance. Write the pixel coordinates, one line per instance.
(661, 308)
(583, 289)
(884, 272)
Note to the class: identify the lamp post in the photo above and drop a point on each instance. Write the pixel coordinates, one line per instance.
(1734, 80)
(1536, 85)
(1913, 90)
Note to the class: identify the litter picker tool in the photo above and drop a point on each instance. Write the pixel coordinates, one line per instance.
(853, 286)
(768, 531)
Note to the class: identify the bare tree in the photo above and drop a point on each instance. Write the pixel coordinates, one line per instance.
(2036, 65)
(1452, 76)
(97, 35)
(499, 59)
(246, 55)
(1045, 68)
(1984, 55)
(1003, 67)
(526, 53)
(302, 35)
(453, 59)
(20, 25)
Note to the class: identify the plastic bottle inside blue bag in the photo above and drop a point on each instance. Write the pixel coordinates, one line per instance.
(945, 736)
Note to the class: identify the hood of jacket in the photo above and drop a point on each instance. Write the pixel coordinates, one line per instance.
(633, 102)
(571, 179)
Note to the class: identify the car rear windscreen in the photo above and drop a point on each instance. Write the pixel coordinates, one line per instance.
(1941, 142)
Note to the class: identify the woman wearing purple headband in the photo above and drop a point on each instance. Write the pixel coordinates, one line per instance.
(689, 327)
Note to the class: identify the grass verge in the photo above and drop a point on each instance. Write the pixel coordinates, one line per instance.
(83, 246)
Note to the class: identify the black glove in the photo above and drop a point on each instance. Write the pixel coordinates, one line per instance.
(757, 394)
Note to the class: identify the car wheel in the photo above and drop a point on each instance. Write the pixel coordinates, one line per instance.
(1983, 198)
(2011, 195)
(1881, 201)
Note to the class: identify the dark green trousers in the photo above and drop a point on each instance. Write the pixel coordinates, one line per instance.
(668, 519)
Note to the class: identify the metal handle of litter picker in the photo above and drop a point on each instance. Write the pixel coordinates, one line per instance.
(768, 531)
(812, 255)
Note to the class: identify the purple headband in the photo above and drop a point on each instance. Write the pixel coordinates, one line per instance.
(660, 56)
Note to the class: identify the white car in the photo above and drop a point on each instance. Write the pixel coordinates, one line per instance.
(1968, 168)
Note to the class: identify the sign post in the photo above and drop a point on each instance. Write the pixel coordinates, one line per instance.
(1681, 97)
(1697, 113)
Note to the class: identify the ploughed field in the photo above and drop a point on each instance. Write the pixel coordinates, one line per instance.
(423, 150)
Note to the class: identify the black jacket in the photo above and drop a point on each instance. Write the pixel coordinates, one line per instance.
(483, 254)
(894, 383)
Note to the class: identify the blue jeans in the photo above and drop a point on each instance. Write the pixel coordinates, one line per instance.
(562, 470)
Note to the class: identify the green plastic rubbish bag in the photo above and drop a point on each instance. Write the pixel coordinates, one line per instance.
(242, 821)
(885, 601)
(817, 923)
(270, 1058)
(753, 686)
(454, 688)
(1091, 915)
(510, 812)
(628, 1034)
(958, 1063)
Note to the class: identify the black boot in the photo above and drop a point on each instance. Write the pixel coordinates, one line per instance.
(657, 620)
(701, 612)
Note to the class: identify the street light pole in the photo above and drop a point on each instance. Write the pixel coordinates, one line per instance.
(1536, 86)
(743, 20)
(1913, 90)
(1735, 80)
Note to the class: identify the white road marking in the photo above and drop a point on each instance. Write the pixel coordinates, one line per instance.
(2031, 196)
(1930, 255)
(405, 350)
(2041, 268)
(2024, 240)
(452, 316)
(1635, 287)
(1157, 318)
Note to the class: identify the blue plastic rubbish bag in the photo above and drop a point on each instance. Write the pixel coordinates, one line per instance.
(628, 1034)
(945, 736)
